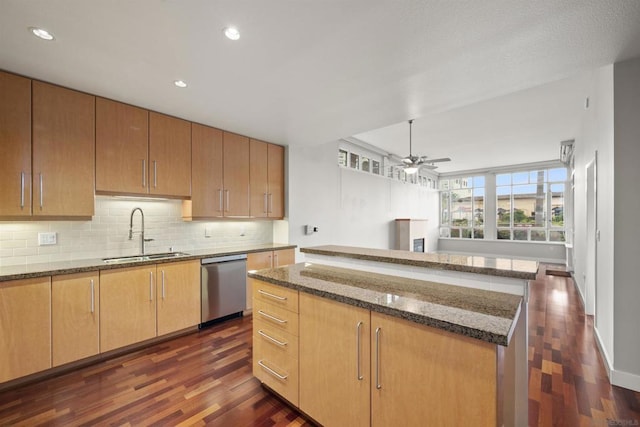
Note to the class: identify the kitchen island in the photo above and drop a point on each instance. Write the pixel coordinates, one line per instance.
(350, 347)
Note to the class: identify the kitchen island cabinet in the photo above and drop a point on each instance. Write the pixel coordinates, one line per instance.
(267, 259)
(407, 352)
(75, 317)
(15, 145)
(25, 327)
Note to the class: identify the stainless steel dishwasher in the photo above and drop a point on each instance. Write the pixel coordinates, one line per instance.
(224, 287)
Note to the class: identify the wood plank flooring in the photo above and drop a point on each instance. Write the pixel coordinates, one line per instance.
(205, 379)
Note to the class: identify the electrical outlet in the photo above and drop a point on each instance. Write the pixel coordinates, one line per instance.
(49, 238)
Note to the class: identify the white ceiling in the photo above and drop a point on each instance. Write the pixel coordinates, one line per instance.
(308, 72)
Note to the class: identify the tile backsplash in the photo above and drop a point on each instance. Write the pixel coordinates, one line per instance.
(107, 234)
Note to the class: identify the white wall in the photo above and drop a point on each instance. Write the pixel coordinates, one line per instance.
(106, 234)
(350, 207)
(626, 175)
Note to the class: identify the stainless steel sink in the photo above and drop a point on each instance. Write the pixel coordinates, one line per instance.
(150, 257)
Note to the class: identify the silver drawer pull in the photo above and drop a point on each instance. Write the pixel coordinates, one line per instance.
(268, 316)
(280, 343)
(260, 291)
(271, 371)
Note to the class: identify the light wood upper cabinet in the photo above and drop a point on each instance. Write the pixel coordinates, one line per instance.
(169, 156)
(75, 317)
(63, 151)
(122, 148)
(25, 327)
(334, 362)
(178, 296)
(207, 184)
(127, 306)
(236, 175)
(454, 377)
(267, 180)
(15, 145)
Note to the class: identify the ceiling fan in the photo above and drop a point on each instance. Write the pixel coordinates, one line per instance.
(411, 164)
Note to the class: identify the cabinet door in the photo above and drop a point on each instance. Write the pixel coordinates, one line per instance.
(75, 317)
(127, 306)
(63, 151)
(178, 291)
(206, 172)
(15, 145)
(284, 257)
(426, 376)
(334, 362)
(275, 196)
(169, 156)
(122, 145)
(25, 327)
(236, 175)
(258, 152)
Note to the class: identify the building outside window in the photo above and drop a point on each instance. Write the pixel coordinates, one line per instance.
(462, 207)
(530, 205)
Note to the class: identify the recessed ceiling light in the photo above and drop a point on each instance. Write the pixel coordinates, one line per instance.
(232, 33)
(41, 33)
(180, 83)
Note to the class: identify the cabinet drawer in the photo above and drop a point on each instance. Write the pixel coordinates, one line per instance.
(279, 341)
(276, 370)
(276, 317)
(276, 295)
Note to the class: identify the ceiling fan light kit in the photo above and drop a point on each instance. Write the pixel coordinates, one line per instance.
(412, 164)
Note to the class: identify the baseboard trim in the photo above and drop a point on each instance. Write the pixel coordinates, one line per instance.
(626, 380)
(608, 365)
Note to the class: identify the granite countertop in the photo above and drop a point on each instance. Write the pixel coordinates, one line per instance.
(485, 315)
(492, 266)
(15, 272)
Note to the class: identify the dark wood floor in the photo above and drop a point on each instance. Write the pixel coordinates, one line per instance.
(205, 379)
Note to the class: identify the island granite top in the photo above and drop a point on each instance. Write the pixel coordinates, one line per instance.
(492, 266)
(485, 315)
(29, 271)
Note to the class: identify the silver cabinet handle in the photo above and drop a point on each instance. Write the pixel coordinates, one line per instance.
(280, 343)
(41, 191)
(279, 298)
(358, 326)
(155, 174)
(268, 316)
(271, 371)
(93, 298)
(270, 205)
(22, 190)
(151, 286)
(227, 195)
(220, 200)
(266, 208)
(162, 284)
(144, 173)
(378, 385)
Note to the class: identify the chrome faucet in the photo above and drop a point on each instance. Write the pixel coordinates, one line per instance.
(142, 239)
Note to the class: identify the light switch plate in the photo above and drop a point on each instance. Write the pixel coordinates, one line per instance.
(49, 238)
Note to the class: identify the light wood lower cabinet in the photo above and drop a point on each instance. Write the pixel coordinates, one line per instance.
(75, 317)
(267, 259)
(127, 306)
(426, 376)
(178, 291)
(275, 339)
(25, 327)
(334, 356)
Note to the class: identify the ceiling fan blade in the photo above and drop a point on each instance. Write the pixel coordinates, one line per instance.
(443, 159)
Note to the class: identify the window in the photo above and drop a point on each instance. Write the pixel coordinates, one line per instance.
(354, 161)
(365, 164)
(530, 205)
(342, 157)
(462, 207)
(375, 167)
